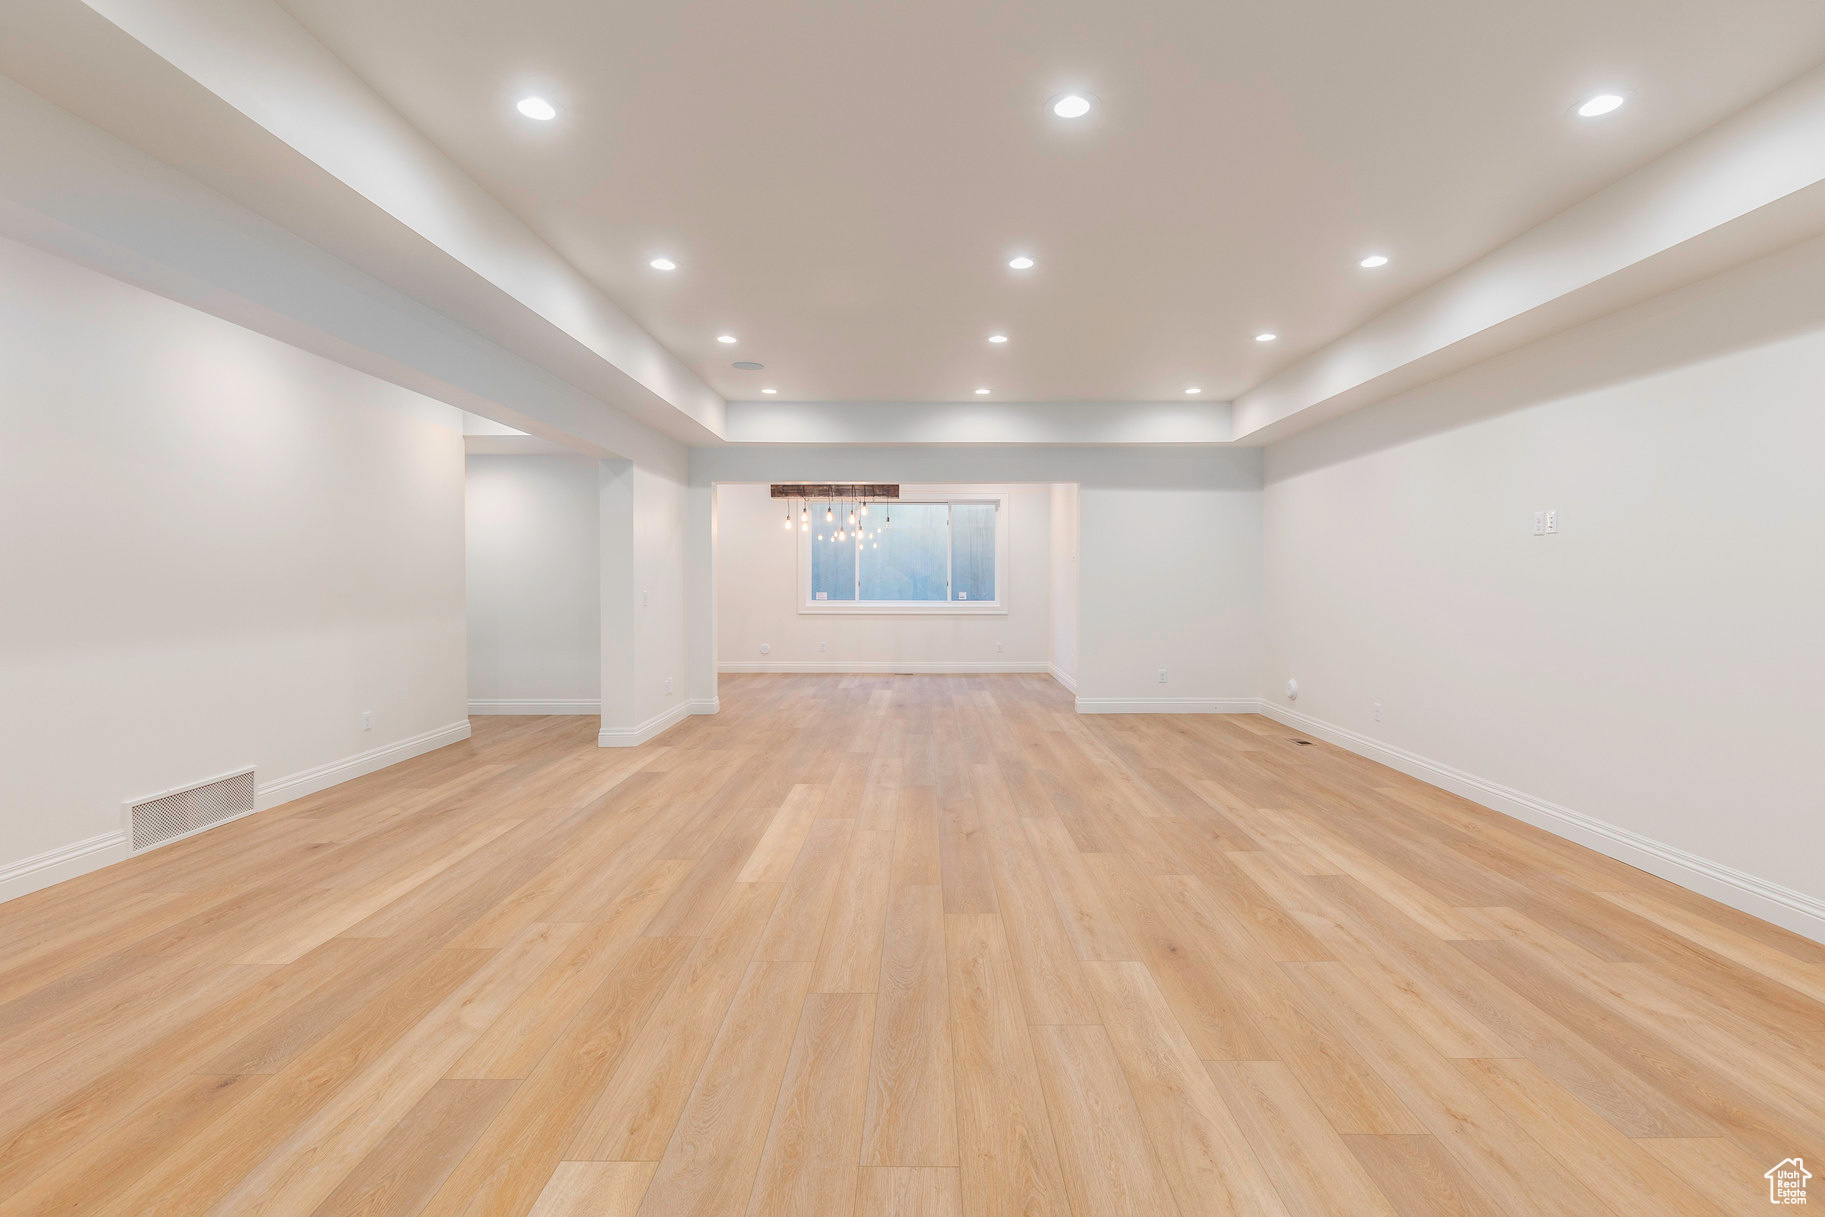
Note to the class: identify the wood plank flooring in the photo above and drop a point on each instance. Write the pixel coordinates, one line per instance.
(908, 946)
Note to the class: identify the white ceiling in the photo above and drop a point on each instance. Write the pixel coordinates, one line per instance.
(842, 184)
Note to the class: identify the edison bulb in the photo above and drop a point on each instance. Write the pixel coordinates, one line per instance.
(864, 509)
(829, 515)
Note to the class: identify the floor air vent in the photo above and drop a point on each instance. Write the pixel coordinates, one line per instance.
(1303, 743)
(176, 812)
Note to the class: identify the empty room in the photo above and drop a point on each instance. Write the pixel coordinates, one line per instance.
(966, 609)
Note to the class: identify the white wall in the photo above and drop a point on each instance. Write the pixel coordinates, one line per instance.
(646, 674)
(659, 561)
(1064, 583)
(534, 600)
(757, 585)
(219, 551)
(1171, 579)
(73, 189)
(1658, 665)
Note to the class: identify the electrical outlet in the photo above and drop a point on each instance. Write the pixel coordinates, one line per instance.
(1539, 523)
(644, 597)
(367, 720)
(766, 648)
(668, 686)
(823, 646)
(1378, 712)
(1552, 521)
(1162, 675)
(998, 648)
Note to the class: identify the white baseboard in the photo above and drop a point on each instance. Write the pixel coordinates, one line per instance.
(81, 857)
(512, 705)
(310, 781)
(1794, 910)
(1168, 705)
(633, 737)
(64, 862)
(889, 667)
(1062, 677)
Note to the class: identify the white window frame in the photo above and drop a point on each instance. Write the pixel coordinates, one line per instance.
(912, 608)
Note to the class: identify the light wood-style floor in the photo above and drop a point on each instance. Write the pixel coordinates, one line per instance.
(907, 945)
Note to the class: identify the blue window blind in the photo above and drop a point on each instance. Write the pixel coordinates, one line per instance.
(832, 568)
(906, 561)
(972, 551)
(932, 553)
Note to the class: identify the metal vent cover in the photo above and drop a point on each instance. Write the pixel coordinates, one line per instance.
(1303, 743)
(175, 813)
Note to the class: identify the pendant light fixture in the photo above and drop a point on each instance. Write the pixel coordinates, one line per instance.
(847, 508)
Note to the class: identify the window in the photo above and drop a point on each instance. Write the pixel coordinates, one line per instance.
(917, 556)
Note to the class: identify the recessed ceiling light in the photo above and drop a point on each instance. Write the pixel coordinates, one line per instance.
(769, 390)
(663, 264)
(537, 107)
(747, 365)
(1266, 337)
(981, 392)
(1070, 105)
(998, 338)
(1601, 104)
(1194, 389)
(725, 338)
(1021, 263)
(1373, 261)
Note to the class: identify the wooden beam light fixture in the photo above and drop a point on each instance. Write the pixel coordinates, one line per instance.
(853, 525)
(848, 492)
